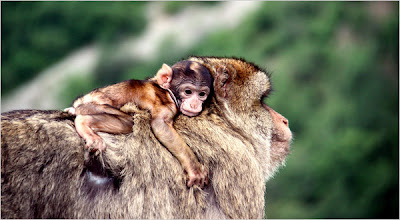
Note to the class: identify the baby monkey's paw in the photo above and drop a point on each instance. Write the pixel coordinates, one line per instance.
(70, 110)
(198, 176)
(95, 143)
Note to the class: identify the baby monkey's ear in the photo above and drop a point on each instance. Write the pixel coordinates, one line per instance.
(164, 76)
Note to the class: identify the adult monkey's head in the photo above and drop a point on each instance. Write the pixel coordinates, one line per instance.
(241, 89)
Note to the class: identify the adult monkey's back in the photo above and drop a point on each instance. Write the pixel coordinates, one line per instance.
(46, 172)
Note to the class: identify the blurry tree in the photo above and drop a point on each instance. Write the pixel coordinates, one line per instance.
(173, 7)
(37, 34)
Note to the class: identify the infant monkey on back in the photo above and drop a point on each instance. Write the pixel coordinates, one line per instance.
(181, 88)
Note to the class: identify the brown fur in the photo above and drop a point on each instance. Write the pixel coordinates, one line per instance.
(98, 111)
(47, 174)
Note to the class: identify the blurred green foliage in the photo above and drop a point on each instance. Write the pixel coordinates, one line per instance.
(37, 34)
(173, 7)
(335, 76)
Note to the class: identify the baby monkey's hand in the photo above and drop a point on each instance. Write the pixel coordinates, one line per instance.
(198, 176)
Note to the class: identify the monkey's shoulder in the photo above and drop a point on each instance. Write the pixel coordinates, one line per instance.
(148, 91)
(122, 89)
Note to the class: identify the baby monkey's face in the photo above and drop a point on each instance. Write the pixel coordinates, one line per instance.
(192, 98)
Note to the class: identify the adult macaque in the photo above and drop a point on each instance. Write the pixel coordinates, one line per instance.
(47, 174)
(182, 88)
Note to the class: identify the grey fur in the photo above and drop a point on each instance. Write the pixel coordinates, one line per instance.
(47, 173)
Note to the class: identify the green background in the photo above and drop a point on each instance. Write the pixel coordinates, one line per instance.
(334, 71)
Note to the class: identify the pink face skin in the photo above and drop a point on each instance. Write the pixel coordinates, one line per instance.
(281, 135)
(192, 98)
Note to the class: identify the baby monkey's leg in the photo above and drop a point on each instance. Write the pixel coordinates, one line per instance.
(92, 118)
(93, 108)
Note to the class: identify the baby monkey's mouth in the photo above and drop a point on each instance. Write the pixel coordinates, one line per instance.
(190, 113)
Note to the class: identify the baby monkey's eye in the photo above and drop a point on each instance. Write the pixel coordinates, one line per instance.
(188, 92)
(202, 94)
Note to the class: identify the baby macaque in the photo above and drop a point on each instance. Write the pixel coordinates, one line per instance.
(181, 88)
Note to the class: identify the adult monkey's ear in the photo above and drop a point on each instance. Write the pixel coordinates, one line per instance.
(221, 81)
(164, 76)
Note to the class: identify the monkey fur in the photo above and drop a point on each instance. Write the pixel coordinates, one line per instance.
(180, 88)
(47, 173)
